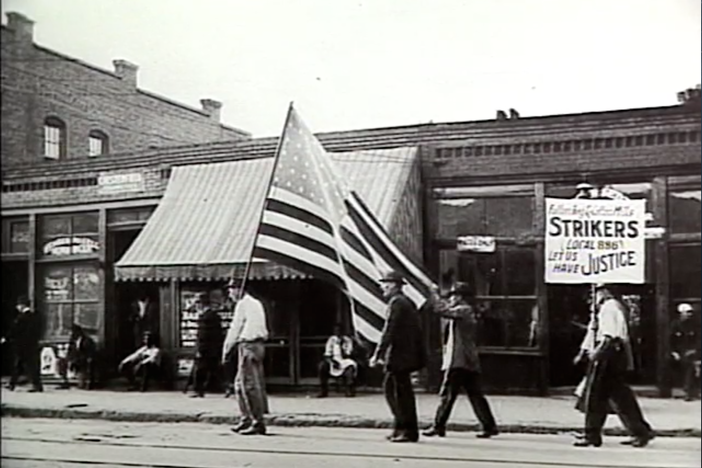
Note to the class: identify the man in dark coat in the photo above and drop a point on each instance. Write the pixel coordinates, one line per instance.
(401, 351)
(461, 364)
(80, 359)
(685, 348)
(25, 335)
(209, 344)
(143, 319)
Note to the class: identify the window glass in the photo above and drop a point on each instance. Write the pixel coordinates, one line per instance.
(499, 211)
(70, 234)
(70, 295)
(483, 271)
(19, 237)
(685, 271)
(54, 138)
(508, 323)
(519, 272)
(97, 143)
(684, 201)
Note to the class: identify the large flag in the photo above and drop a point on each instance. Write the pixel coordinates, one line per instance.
(315, 224)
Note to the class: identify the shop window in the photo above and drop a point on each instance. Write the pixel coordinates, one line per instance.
(685, 273)
(15, 236)
(97, 143)
(69, 235)
(499, 211)
(505, 285)
(130, 215)
(70, 296)
(684, 203)
(54, 138)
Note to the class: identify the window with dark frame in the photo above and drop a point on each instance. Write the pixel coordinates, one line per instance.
(54, 138)
(75, 234)
(71, 295)
(97, 143)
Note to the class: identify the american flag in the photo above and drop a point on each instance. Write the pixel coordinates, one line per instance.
(315, 224)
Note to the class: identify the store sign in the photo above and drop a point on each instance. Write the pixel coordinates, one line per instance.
(71, 246)
(482, 244)
(595, 241)
(121, 183)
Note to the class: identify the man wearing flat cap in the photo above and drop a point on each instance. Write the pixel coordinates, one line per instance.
(610, 360)
(461, 364)
(401, 351)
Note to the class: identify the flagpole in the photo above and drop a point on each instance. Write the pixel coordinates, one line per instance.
(247, 270)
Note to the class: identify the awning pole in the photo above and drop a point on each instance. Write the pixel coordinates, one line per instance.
(263, 207)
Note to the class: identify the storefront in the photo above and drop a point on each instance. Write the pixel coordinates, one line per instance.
(492, 237)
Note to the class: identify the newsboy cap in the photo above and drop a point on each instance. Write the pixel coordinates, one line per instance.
(393, 277)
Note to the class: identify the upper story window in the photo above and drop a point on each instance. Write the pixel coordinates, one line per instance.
(97, 143)
(54, 138)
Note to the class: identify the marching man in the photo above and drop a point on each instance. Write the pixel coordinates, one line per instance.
(606, 380)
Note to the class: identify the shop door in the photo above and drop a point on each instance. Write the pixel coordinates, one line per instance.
(280, 300)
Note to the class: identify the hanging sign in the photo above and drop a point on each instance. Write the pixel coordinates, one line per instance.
(595, 241)
(483, 244)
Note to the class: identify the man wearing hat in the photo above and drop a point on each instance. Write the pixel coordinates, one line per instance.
(401, 351)
(685, 347)
(209, 342)
(610, 360)
(461, 364)
(248, 332)
(25, 334)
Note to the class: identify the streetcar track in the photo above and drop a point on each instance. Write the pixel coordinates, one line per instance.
(381, 456)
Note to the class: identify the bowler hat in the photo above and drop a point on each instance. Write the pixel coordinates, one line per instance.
(393, 277)
(461, 289)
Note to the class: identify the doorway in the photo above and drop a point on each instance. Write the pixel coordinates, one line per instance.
(15, 283)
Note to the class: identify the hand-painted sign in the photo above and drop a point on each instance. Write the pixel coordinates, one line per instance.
(476, 244)
(595, 241)
(119, 183)
(71, 246)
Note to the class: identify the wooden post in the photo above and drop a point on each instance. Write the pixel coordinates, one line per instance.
(662, 265)
(538, 227)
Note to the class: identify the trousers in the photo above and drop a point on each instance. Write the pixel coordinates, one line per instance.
(250, 383)
(455, 381)
(27, 358)
(399, 395)
(607, 384)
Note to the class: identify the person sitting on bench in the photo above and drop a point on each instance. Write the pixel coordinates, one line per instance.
(338, 363)
(142, 364)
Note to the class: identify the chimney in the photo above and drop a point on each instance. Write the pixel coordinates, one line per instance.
(212, 108)
(513, 114)
(22, 26)
(127, 71)
(501, 116)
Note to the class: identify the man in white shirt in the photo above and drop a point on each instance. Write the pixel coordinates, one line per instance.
(611, 359)
(248, 332)
(142, 363)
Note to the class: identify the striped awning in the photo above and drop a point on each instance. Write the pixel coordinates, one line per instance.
(204, 226)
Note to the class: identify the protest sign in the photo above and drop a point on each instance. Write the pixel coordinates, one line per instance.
(595, 241)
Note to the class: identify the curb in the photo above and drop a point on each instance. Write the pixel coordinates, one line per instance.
(300, 420)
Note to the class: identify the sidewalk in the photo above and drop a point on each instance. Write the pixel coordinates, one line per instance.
(669, 417)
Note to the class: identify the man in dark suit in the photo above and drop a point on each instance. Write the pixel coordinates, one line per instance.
(401, 351)
(143, 318)
(461, 364)
(209, 344)
(81, 357)
(25, 335)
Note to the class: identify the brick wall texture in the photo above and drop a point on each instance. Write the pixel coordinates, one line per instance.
(38, 83)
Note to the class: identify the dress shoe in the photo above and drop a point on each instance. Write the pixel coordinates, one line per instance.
(639, 442)
(241, 426)
(35, 390)
(434, 431)
(403, 438)
(321, 395)
(587, 443)
(197, 395)
(487, 434)
(253, 430)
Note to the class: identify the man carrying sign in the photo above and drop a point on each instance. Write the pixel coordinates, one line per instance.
(610, 361)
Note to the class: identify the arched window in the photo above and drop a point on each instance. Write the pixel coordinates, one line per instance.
(54, 138)
(97, 143)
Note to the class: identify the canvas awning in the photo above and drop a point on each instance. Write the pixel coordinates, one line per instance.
(205, 224)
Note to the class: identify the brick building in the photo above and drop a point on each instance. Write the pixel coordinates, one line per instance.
(56, 107)
(428, 183)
